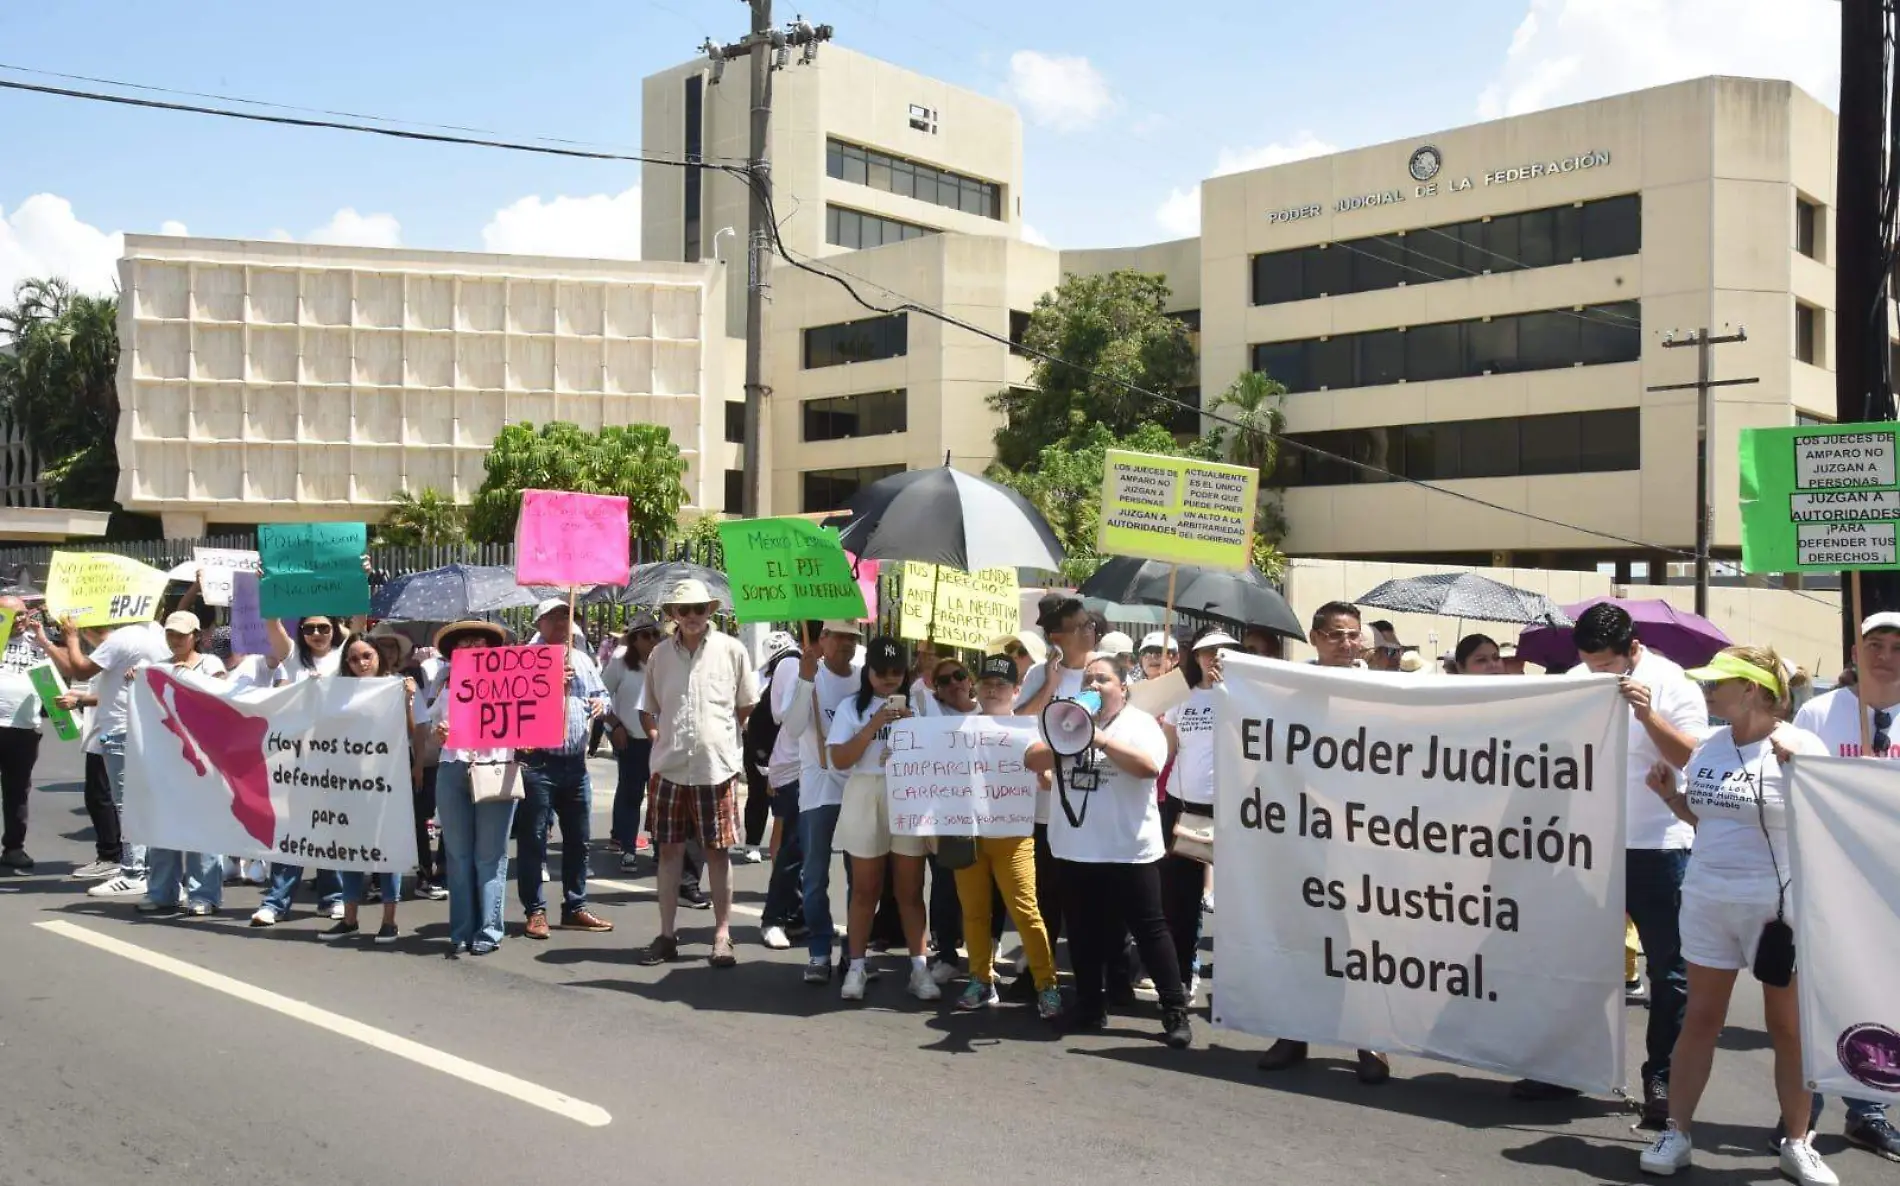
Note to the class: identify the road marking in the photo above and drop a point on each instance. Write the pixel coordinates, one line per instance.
(628, 887)
(532, 1094)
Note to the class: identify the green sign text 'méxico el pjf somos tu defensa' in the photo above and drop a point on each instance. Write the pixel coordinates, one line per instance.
(1820, 497)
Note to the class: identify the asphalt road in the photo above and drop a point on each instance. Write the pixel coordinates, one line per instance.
(207, 1052)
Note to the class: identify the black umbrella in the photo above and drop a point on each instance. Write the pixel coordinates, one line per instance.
(1240, 598)
(1465, 595)
(449, 593)
(945, 516)
(648, 583)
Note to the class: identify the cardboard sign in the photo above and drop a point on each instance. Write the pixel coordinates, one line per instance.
(1177, 510)
(247, 618)
(957, 608)
(50, 687)
(215, 567)
(1820, 498)
(102, 589)
(961, 776)
(312, 568)
(785, 570)
(507, 698)
(569, 539)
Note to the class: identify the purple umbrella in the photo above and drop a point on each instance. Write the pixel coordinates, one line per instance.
(1688, 639)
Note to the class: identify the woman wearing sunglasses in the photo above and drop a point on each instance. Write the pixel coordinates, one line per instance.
(952, 693)
(1736, 898)
(317, 651)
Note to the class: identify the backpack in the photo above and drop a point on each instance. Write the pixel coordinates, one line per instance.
(761, 728)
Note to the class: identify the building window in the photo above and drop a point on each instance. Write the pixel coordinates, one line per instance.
(1806, 334)
(1807, 228)
(1184, 418)
(845, 227)
(832, 489)
(695, 146)
(923, 119)
(1542, 341)
(871, 414)
(735, 422)
(1803, 420)
(1602, 229)
(857, 341)
(1018, 330)
(735, 492)
(1515, 446)
(912, 179)
(1190, 319)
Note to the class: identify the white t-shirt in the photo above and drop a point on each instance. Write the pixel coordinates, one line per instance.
(252, 671)
(19, 703)
(818, 786)
(1732, 860)
(845, 725)
(1192, 778)
(90, 718)
(203, 674)
(1121, 822)
(125, 649)
(1067, 685)
(294, 672)
(1678, 700)
(782, 765)
(625, 686)
(1835, 718)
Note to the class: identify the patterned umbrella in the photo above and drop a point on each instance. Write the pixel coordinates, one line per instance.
(1465, 595)
(648, 583)
(449, 593)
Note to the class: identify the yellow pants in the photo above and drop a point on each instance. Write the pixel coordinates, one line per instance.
(1632, 947)
(1010, 862)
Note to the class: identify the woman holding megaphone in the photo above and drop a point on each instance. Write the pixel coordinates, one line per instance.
(1105, 832)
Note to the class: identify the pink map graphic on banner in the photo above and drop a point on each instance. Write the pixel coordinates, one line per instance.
(231, 739)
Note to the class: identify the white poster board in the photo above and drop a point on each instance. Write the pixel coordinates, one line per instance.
(215, 566)
(961, 776)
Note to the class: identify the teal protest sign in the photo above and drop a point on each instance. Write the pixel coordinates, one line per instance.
(788, 570)
(312, 568)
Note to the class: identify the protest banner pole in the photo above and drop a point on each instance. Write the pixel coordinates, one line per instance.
(1866, 721)
(1167, 614)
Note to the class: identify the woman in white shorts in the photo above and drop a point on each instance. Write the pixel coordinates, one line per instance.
(858, 747)
(1737, 884)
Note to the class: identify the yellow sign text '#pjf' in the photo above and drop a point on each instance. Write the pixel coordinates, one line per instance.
(1177, 510)
(101, 589)
(957, 608)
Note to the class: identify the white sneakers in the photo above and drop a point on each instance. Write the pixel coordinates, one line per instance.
(1669, 1153)
(945, 972)
(265, 917)
(775, 938)
(854, 981)
(119, 887)
(923, 985)
(1800, 1163)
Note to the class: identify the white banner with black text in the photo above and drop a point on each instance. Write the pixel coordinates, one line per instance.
(1421, 865)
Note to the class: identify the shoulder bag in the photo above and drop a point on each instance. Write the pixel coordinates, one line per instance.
(494, 782)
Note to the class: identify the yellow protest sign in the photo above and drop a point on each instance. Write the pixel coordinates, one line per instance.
(101, 589)
(1177, 510)
(957, 608)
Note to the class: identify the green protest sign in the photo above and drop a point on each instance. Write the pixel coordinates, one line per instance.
(1820, 497)
(786, 570)
(312, 568)
(49, 687)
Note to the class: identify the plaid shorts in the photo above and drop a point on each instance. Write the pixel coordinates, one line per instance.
(708, 814)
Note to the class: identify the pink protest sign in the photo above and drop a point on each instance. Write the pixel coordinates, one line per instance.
(866, 571)
(507, 698)
(564, 538)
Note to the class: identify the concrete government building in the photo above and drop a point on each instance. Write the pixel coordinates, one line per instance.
(1481, 308)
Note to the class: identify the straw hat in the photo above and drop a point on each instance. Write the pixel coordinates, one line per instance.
(447, 638)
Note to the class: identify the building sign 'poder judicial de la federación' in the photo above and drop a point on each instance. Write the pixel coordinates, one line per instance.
(1425, 165)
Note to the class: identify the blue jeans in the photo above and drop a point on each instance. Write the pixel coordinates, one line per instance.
(201, 873)
(816, 825)
(636, 761)
(475, 858)
(283, 887)
(1652, 894)
(132, 857)
(784, 902)
(555, 785)
(354, 885)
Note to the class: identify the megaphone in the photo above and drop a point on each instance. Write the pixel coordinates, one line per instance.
(1068, 727)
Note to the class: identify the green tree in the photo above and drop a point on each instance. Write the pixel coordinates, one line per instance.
(1255, 407)
(59, 361)
(639, 461)
(426, 520)
(1111, 331)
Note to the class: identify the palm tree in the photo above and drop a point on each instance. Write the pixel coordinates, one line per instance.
(426, 520)
(59, 361)
(1257, 402)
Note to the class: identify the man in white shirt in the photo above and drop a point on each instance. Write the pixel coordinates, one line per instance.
(1668, 718)
(125, 649)
(778, 764)
(19, 735)
(700, 689)
(1841, 719)
(805, 697)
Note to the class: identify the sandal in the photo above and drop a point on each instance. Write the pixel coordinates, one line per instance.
(723, 956)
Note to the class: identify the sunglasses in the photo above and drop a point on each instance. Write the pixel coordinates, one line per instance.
(951, 677)
(700, 610)
(1339, 635)
(314, 628)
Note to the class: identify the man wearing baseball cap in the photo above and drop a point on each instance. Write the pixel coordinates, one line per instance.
(700, 690)
(555, 782)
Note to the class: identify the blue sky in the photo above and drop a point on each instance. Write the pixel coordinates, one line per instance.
(1126, 107)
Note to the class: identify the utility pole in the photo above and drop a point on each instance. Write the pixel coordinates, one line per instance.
(1704, 387)
(1862, 383)
(769, 50)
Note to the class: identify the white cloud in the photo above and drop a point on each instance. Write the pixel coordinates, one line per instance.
(347, 228)
(604, 226)
(172, 226)
(1067, 94)
(1180, 212)
(1569, 51)
(1032, 235)
(43, 237)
